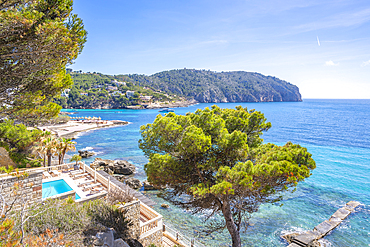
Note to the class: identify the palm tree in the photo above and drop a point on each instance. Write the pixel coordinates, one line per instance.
(76, 158)
(66, 146)
(50, 144)
(41, 148)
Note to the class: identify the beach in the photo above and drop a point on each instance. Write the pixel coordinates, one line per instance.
(73, 127)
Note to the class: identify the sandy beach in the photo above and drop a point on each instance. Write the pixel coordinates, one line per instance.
(72, 128)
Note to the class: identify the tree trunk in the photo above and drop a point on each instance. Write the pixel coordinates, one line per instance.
(49, 159)
(231, 227)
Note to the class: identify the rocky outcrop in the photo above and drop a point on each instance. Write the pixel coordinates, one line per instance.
(5, 160)
(134, 183)
(106, 239)
(149, 186)
(85, 154)
(122, 167)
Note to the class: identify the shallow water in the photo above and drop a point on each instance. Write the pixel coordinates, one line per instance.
(336, 132)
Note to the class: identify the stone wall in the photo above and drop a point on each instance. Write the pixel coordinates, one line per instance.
(30, 188)
(132, 213)
(154, 238)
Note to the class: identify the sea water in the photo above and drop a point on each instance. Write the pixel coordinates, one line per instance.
(336, 132)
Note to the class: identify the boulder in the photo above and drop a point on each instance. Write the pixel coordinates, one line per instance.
(134, 243)
(107, 170)
(123, 167)
(85, 154)
(120, 243)
(134, 183)
(106, 237)
(99, 162)
(149, 186)
(120, 177)
(5, 160)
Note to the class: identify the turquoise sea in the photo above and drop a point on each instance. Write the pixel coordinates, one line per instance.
(336, 132)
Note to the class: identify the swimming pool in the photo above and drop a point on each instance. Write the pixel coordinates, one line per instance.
(56, 187)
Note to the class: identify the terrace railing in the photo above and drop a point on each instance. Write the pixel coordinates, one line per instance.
(154, 223)
(180, 239)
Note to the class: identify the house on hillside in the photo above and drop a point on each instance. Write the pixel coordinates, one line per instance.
(145, 98)
(65, 93)
(111, 88)
(116, 93)
(118, 82)
(130, 94)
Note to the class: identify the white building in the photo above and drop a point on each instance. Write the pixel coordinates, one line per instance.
(129, 94)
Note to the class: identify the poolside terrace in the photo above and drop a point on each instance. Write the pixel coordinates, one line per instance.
(82, 183)
(90, 184)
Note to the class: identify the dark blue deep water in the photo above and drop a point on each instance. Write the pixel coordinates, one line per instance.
(336, 132)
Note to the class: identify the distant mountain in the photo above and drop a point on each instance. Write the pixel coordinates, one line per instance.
(207, 86)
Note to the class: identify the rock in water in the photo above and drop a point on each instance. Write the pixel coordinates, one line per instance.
(134, 183)
(109, 171)
(85, 154)
(149, 186)
(99, 162)
(123, 167)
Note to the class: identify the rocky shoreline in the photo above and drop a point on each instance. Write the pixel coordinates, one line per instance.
(122, 170)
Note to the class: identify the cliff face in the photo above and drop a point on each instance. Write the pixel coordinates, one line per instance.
(207, 86)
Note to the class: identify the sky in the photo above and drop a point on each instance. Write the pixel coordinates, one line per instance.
(322, 46)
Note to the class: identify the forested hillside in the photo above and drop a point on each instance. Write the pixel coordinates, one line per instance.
(96, 90)
(208, 86)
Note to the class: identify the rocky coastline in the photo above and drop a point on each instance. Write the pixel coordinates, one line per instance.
(122, 170)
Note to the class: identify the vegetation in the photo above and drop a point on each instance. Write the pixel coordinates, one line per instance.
(175, 85)
(214, 161)
(76, 158)
(209, 86)
(76, 221)
(38, 38)
(28, 147)
(56, 222)
(95, 90)
(18, 141)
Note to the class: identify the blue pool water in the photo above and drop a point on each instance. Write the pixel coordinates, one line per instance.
(56, 187)
(336, 132)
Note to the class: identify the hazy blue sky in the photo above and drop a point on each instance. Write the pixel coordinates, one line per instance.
(322, 46)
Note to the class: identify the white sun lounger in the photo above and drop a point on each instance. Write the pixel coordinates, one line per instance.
(47, 175)
(55, 172)
(79, 175)
(86, 182)
(93, 192)
(91, 186)
(73, 173)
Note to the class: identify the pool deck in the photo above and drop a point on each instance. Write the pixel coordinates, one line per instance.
(73, 183)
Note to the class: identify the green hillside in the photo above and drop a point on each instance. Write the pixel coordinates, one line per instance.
(96, 90)
(209, 86)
